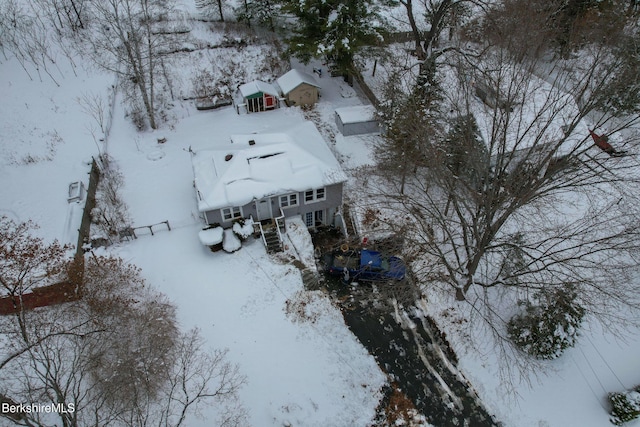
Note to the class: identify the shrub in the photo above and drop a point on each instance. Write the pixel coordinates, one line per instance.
(111, 214)
(243, 228)
(549, 325)
(625, 406)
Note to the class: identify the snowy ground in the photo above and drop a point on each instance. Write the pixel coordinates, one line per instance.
(46, 144)
(304, 370)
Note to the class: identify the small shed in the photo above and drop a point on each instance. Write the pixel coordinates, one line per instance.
(357, 120)
(299, 88)
(259, 96)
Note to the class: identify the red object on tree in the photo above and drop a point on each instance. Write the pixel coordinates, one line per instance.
(602, 142)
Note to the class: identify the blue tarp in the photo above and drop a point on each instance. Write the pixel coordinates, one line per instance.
(370, 258)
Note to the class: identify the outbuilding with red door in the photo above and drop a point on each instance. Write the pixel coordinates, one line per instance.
(259, 96)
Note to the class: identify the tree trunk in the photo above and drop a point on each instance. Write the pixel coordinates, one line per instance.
(420, 54)
(77, 12)
(220, 10)
(246, 13)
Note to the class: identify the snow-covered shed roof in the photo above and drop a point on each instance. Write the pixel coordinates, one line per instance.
(255, 87)
(255, 166)
(357, 114)
(294, 78)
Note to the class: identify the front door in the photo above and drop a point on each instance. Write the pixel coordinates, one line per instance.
(269, 101)
(263, 209)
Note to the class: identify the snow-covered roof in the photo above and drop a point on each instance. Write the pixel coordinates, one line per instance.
(357, 114)
(256, 166)
(294, 78)
(257, 86)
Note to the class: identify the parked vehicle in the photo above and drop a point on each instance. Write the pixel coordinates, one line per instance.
(364, 265)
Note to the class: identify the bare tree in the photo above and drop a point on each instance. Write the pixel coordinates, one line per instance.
(64, 14)
(114, 357)
(195, 379)
(25, 35)
(211, 7)
(95, 106)
(124, 40)
(513, 198)
(439, 15)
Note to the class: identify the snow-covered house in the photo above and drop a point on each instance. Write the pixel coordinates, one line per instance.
(357, 120)
(299, 88)
(259, 96)
(265, 176)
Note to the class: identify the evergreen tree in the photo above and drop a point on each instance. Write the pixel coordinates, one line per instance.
(262, 12)
(550, 324)
(466, 153)
(333, 29)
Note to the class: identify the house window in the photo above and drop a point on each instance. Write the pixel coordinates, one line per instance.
(313, 196)
(229, 214)
(289, 200)
(308, 219)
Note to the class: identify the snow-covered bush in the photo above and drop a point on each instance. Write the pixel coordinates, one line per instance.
(243, 228)
(549, 325)
(211, 237)
(230, 242)
(625, 406)
(207, 84)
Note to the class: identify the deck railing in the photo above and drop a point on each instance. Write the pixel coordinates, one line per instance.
(264, 240)
(280, 222)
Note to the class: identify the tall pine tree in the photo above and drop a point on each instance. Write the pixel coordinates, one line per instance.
(333, 29)
(263, 12)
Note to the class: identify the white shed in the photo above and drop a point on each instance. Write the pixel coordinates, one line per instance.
(357, 120)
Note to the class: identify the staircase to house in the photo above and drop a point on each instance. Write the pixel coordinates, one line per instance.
(271, 231)
(272, 240)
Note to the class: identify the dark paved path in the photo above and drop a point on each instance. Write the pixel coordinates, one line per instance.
(416, 358)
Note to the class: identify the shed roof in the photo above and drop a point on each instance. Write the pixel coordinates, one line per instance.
(357, 114)
(297, 159)
(294, 78)
(257, 87)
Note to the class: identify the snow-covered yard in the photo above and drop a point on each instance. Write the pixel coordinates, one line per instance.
(304, 372)
(45, 145)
